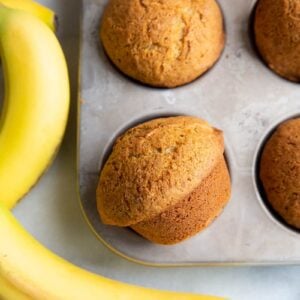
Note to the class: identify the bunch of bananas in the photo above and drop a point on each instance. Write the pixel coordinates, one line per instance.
(32, 124)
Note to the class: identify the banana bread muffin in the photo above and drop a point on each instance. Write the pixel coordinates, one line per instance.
(158, 172)
(277, 36)
(163, 43)
(193, 213)
(280, 171)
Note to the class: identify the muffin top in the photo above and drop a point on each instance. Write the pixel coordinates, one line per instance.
(163, 43)
(280, 171)
(277, 34)
(154, 165)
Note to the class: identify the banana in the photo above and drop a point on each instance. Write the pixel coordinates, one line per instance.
(38, 10)
(9, 292)
(36, 101)
(41, 274)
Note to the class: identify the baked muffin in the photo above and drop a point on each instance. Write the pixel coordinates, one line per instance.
(193, 213)
(163, 43)
(158, 172)
(280, 171)
(277, 36)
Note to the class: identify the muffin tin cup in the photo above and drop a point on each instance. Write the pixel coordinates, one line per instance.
(261, 196)
(239, 95)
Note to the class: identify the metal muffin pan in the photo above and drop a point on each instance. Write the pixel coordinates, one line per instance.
(240, 95)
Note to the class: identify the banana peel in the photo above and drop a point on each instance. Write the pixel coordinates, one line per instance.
(42, 275)
(44, 13)
(36, 101)
(10, 292)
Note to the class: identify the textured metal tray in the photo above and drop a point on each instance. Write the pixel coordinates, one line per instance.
(240, 95)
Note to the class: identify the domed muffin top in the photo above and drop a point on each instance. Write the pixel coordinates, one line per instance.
(280, 171)
(163, 43)
(154, 165)
(277, 35)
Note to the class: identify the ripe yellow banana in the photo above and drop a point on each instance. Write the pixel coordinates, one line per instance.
(36, 101)
(42, 275)
(36, 9)
(9, 292)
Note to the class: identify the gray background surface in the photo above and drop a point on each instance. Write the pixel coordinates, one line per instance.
(51, 213)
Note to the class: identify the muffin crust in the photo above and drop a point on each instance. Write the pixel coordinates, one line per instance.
(154, 165)
(163, 43)
(192, 214)
(277, 36)
(280, 171)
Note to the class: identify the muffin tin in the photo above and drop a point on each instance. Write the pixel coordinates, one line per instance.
(240, 95)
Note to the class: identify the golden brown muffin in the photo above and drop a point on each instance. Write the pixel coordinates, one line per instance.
(163, 43)
(277, 35)
(154, 166)
(192, 214)
(280, 171)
